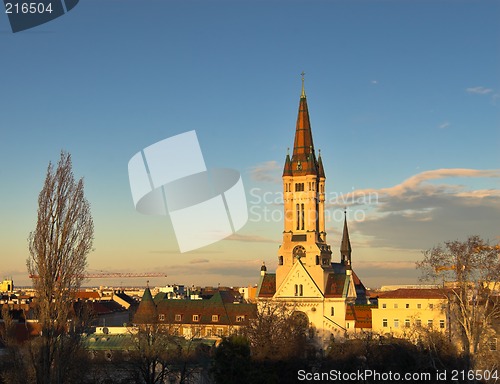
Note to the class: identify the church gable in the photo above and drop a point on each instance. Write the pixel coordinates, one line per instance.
(298, 283)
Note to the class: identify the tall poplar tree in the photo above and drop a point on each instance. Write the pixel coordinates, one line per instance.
(58, 250)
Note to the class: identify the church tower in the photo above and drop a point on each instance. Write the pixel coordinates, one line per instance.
(304, 235)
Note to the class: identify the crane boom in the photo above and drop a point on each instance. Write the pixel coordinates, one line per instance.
(111, 275)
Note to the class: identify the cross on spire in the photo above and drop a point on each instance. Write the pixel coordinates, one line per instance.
(303, 94)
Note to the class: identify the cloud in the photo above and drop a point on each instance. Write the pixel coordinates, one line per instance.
(177, 252)
(233, 270)
(479, 90)
(268, 171)
(417, 214)
(250, 238)
(416, 182)
(446, 124)
(374, 82)
(198, 261)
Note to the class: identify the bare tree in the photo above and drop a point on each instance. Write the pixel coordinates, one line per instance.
(58, 257)
(278, 332)
(470, 273)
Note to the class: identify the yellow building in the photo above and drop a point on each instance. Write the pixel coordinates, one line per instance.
(403, 311)
(7, 285)
(306, 279)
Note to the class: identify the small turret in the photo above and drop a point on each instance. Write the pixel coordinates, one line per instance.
(263, 269)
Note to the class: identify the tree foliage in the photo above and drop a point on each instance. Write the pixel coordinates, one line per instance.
(278, 332)
(470, 273)
(58, 250)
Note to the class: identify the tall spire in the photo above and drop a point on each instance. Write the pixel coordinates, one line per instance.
(303, 145)
(345, 246)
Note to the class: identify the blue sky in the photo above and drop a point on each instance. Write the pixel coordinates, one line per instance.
(404, 98)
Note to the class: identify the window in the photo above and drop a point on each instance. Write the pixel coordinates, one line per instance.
(240, 319)
(197, 332)
(280, 260)
(396, 323)
(441, 324)
(407, 323)
(317, 260)
(419, 306)
(196, 317)
(298, 216)
(296, 290)
(430, 323)
(178, 317)
(215, 318)
(384, 323)
(301, 290)
(161, 317)
(332, 311)
(431, 306)
(407, 306)
(418, 323)
(384, 305)
(395, 305)
(302, 215)
(348, 325)
(299, 187)
(220, 332)
(208, 332)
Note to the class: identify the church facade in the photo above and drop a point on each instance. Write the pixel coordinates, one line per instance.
(329, 294)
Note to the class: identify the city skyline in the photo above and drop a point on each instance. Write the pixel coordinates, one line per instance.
(403, 100)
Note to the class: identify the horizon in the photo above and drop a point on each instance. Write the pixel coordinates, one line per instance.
(403, 101)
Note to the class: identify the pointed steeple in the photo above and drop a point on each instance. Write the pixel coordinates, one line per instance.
(345, 246)
(321, 170)
(287, 170)
(303, 144)
(146, 311)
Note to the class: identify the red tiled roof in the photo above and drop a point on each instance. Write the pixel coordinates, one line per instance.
(25, 331)
(335, 285)
(268, 285)
(87, 295)
(361, 314)
(227, 312)
(413, 293)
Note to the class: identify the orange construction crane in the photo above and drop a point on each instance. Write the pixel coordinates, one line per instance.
(112, 275)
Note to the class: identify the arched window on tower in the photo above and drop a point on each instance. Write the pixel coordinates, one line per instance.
(301, 290)
(317, 260)
(298, 217)
(296, 290)
(280, 260)
(302, 215)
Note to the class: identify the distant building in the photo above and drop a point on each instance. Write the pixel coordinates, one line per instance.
(7, 285)
(403, 310)
(326, 294)
(216, 314)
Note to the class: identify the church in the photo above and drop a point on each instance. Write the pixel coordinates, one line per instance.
(329, 294)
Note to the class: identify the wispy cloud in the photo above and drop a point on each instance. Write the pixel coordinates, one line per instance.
(417, 182)
(268, 171)
(479, 90)
(444, 125)
(198, 261)
(250, 238)
(416, 214)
